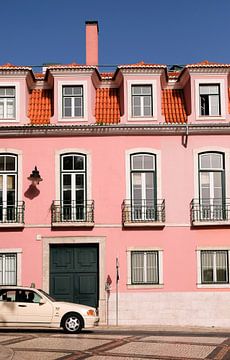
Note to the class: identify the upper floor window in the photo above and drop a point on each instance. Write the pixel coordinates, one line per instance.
(72, 100)
(214, 266)
(8, 188)
(142, 101)
(209, 99)
(7, 102)
(143, 186)
(73, 186)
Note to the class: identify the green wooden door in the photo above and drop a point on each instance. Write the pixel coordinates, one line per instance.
(74, 273)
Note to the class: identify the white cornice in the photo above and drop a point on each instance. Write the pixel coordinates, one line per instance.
(110, 130)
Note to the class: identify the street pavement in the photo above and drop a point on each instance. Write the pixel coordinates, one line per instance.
(116, 343)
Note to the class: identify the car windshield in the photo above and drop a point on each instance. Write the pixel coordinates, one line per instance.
(47, 295)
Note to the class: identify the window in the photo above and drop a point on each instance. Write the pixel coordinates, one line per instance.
(8, 269)
(209, 99)
(214, 267)
(72, 100)
(8, 188)
(73, 187)
(143, 186)
(7, 103)
(142, 101)
(144, 267)
(212, 186)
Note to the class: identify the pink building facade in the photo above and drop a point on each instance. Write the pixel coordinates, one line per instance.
(132, 213)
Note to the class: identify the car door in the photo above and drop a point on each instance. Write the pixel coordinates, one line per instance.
(8, 308)
(31, 310)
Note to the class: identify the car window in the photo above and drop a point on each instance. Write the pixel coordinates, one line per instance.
(27, 296)
(8, 295)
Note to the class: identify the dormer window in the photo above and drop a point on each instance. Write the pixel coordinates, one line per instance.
(142, 101)
(7, 103)
(72, 99)
(209, 99)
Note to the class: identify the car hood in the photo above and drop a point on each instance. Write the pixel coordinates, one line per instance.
(72, 306)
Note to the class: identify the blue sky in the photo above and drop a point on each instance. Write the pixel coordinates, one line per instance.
(34, 32)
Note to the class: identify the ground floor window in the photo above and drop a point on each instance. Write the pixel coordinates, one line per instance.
(8, 269)
(214, 267)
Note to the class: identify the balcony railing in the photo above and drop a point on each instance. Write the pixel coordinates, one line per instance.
(143, 212)
(12, 214)
(72, 213)
(205, 211)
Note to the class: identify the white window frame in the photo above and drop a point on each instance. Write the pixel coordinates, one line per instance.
(88, 166)
(150, 151)
(62, 84)
(222, 87)
(18, 252)
(226, 154)
(199, 270)
(151, 83)
(129, 268)
(15, 85)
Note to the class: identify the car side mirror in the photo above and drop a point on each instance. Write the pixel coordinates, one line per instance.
(42, 302)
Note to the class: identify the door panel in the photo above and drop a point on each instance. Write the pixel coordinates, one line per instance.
(74, 273)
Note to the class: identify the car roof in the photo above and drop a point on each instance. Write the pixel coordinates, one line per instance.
(12, 287)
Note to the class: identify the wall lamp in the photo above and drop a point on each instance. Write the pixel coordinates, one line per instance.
(35, 177)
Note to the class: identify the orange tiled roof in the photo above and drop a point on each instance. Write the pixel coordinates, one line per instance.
(142, 64)
(206, 63)
(9, 66)
(107, 110)
(106, 75)
(40, 106)
(173, 106)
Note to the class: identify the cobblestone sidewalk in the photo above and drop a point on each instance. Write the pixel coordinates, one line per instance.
(115, 344)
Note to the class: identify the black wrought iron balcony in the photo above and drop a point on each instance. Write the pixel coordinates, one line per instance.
(73, 213)
(143, 212)
(210, 210)
(12, 214)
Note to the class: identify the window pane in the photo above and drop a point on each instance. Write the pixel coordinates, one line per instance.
(211, 161)
(10, 163)
(152, 267)
(137, 267)
(214, 105)
(78, 163)
(221, 266)
(68, 163)
(137, 162)
(207, 266)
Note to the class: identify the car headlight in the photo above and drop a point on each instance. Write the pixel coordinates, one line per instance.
(91, 312)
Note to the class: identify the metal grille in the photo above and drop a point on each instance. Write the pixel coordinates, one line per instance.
(12, 213)
(8, 269)
(143, 211)
(145, 267)
(62, 212)
(206, 211)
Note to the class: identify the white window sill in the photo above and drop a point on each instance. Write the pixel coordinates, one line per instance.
(144, 224)
(142, 119)
(211, 223)
(145, 286)
(213, 286)
(73, 119)
(9, 120)
(12, 225)
(72, 224)
(211, 118)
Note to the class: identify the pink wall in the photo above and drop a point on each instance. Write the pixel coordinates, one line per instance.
(178, 241)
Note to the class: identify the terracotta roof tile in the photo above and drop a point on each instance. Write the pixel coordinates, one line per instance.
(142, 64)
(107, 109)
(173, 106)
(206, 63)
(40, 106)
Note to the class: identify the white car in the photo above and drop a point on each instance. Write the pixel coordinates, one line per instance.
(29, 307)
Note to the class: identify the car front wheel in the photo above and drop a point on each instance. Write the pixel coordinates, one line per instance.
(72, 323)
